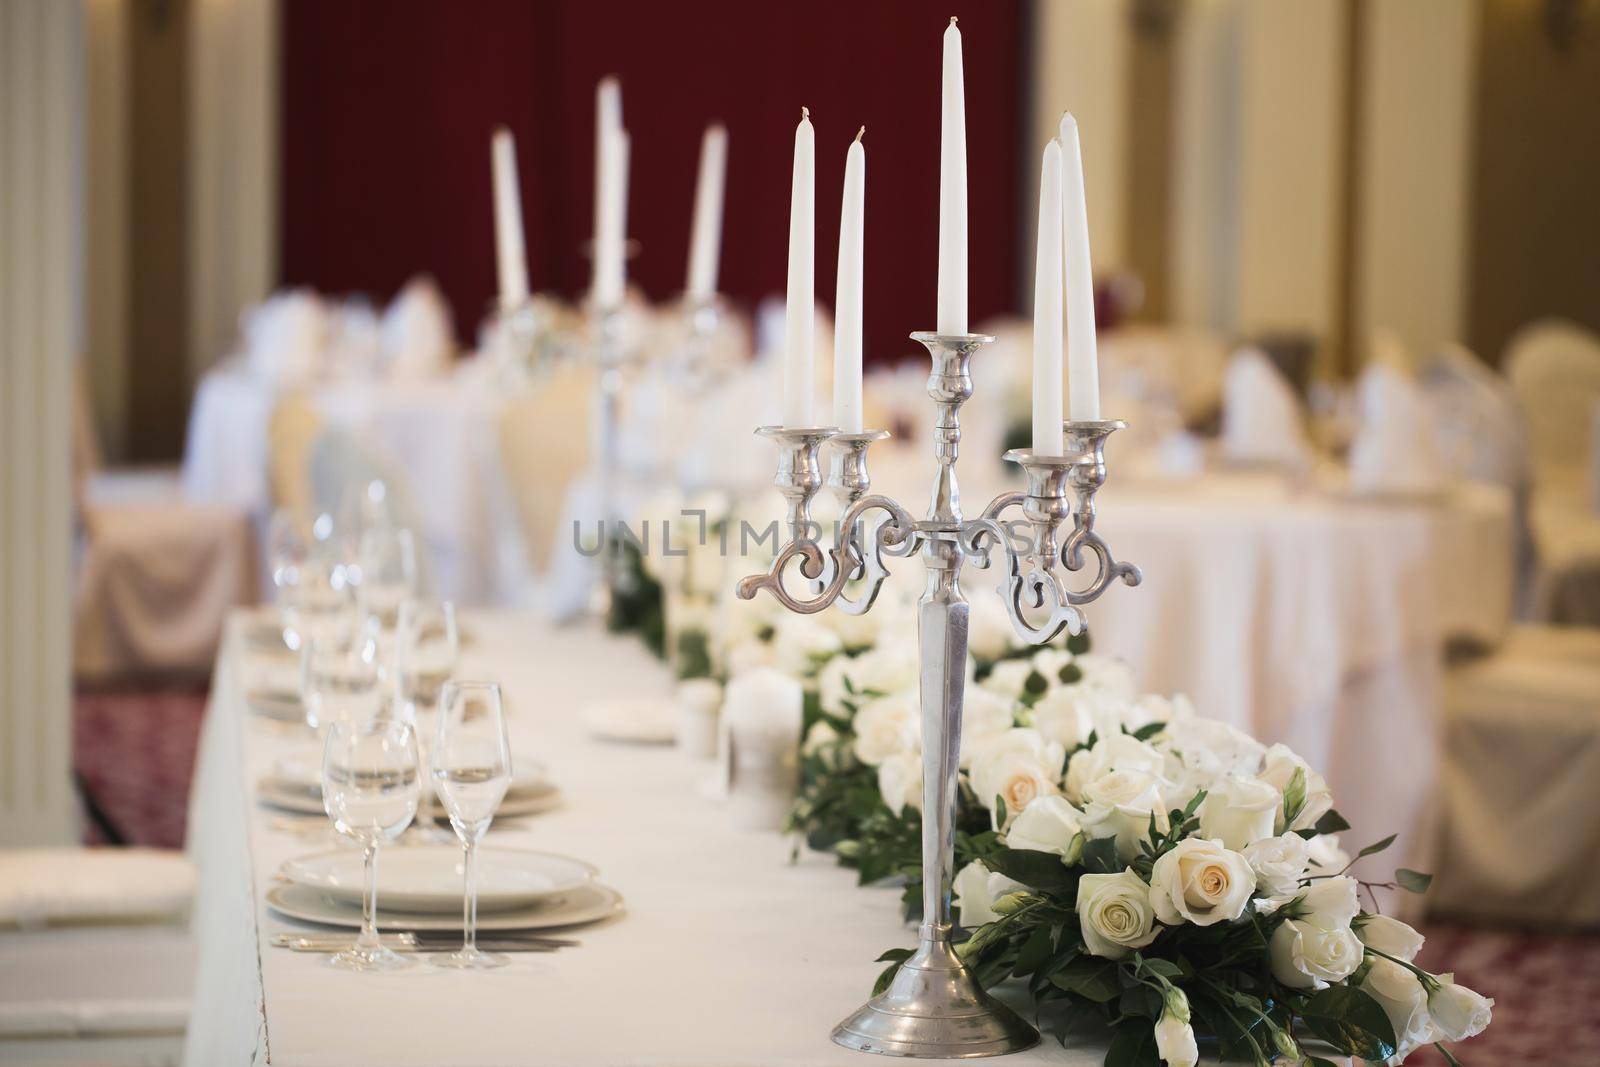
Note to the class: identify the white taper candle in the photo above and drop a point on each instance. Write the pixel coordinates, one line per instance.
(952, 310)
(705, 233)
(1047, 435)
(847, 299)
(1083, 368)
(511, 257)
(801, 308)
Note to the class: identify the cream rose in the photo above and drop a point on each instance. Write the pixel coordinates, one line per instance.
(1106, 673)
(1315, 946)
(1049, 824)
(1199, 752)
(1114, 914)
(1008, 678)
(1120, 804)
(1062, 715)
(976, 889)
(887, 725)
(1279, 863)
(1239, 811)
(1389, 936)
(1278, 767)
(1017, 766)
(1200, 882)
(984, 718)
(1458, 1012)
(989, 631)
(900, 781)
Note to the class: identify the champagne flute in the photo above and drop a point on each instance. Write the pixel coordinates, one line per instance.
(370, 782)
(471, 769)
(341, 677)
(388, 562)
(427, 644)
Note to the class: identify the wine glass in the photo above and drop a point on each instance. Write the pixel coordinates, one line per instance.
(426, 647)
(471, 769)
(370, 782)
(388, 563)
(341, 677)
(318, 599)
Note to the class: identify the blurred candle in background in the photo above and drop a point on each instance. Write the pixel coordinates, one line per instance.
(1047, 432)
(705, 233)
(1083, 369)
(952, 312)
(511, 256)
(610, 195)
(847, 299)
(801, 308)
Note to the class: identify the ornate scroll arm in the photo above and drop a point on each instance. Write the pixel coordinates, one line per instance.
(848, 560)
(1029, 585)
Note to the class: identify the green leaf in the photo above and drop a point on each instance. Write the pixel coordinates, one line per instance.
(1133, 1045)
(885, 978)
(1331, 823)
(1294, 796)
(1043, 871)
(1034, 952)
(1350, 1021)
(1412, 881)
(1100, 856)
(1091, 978)
(895, 954)
(1071, 674)
(1156, 965)
(1035, 684)
(1141, 1000)
(1318, 1061)
(1377, 846)
(1078, 643)
(1149, 730)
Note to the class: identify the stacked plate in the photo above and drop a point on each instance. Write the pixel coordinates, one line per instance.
(420, 888)
(296, 786)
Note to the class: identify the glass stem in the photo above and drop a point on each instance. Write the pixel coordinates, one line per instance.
(469, 903)
(369, 902)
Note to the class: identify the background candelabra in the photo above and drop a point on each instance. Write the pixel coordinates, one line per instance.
(934, 1008)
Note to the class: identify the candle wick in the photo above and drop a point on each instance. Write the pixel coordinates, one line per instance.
(952, 20)
(805, 112)
(862, 132)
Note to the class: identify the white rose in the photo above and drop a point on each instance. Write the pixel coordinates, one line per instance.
(1399, 992)
(1326, 855)
(1049, 824)
(1306, 956)
(1200, 751)
(1279, 863)
(989, 631)
(885, 669)
(1114, 914)
(976, 889)
(1117, 752)
(1458, 1012)
(984, 717)
(887, 725)
(1389, 936)
(1169, 710)
(1331, 902)
(1239, 811)
(820, 736)
(1120, 804)
(1107, 673)
(1008, 678)
(1200, 882)
(831, 691)
(1175, 1042)
(853, 631)
(1278, 769)
(748, 656)
(802, 643)
(1015, 766)
(1050, 662)
(1062, 714)
(900, 781)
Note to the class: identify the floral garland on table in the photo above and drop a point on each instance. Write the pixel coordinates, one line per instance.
(1165, 873)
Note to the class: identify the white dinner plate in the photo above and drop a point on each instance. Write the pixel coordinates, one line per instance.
(591, 903)
(639, 720)
(525, 797)
(428, 877)
(279, 705)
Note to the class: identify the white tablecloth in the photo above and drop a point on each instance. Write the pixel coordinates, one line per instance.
(441, 436)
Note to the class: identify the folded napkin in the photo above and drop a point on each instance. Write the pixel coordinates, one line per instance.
(353, 349)
(1396, 447)
(418, 339)
(43, 886)
(285, 337)
(1262, 421)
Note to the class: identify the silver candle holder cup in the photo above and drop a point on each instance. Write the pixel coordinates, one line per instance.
(933, 1007)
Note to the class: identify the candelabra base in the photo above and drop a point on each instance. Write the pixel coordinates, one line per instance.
(935, 1010)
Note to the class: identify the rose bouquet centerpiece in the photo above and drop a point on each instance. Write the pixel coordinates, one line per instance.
(1179, 878)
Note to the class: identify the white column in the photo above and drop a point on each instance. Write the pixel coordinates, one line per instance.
(41, 281)
(233, 168)
(1416, 144)
(106, 204)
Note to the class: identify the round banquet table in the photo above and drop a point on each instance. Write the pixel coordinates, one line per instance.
(732, 953)
(1312, 617)
(440, 437)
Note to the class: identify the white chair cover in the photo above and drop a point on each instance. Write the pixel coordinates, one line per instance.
(1554, 369)
(1396, 448)
(1477, 422)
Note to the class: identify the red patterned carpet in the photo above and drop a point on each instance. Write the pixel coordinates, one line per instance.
(135, 751)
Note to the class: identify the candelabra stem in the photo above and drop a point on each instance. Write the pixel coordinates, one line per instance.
(609, 358)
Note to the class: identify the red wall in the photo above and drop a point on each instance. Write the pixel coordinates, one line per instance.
(388, 107)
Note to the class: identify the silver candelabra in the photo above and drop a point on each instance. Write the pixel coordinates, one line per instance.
(934, 1008)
